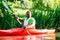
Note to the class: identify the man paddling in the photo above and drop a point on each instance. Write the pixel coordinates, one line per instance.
(29, 22)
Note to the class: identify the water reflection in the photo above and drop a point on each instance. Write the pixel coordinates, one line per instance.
(30, 37)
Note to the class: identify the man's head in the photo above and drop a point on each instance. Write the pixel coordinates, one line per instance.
(28, 14)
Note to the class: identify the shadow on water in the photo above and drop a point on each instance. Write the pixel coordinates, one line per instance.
(57, 38)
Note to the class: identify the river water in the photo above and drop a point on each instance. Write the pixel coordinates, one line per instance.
(29, 37)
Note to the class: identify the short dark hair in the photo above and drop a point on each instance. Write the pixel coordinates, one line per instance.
(28, 12)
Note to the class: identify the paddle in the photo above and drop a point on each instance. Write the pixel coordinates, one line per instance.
(9, 10)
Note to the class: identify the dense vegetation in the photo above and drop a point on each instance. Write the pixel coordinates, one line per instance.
(46, 13)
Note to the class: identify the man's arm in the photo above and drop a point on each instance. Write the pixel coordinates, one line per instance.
(17, 18)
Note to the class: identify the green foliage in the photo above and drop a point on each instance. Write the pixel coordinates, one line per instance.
(46, 13)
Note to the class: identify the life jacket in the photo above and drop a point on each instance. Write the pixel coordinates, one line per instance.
(28, 25)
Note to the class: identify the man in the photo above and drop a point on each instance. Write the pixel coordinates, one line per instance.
(29, 22)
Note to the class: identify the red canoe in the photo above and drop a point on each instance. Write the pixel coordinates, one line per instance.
(21, 32)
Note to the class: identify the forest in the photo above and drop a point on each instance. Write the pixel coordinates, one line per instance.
(45, 12)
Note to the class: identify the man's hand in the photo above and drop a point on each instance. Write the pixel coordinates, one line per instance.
(24, 27)
(15, 16)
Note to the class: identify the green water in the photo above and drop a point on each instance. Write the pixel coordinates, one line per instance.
(58, 36)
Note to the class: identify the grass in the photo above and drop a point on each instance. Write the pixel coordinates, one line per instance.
(58, 36)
